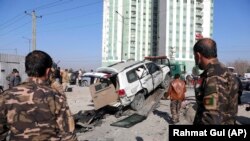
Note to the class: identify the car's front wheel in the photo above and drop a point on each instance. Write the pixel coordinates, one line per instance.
(138, 102)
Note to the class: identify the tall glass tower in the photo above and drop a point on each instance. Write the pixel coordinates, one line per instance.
(133, 29)
(181, 23)
(130, 30)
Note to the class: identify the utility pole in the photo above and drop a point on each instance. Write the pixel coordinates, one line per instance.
(33, 15)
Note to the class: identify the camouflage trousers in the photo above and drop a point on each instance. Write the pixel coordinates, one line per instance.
(175, 107)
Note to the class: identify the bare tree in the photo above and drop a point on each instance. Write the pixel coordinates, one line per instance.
(241, 66)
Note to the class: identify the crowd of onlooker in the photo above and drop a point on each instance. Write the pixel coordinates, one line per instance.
(67, 77)
(64, 77)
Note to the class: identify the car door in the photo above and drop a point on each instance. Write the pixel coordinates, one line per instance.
(144, 79)
(156, 73)
(103, 93)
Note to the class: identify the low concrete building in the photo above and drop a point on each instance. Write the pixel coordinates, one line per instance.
(7, 63)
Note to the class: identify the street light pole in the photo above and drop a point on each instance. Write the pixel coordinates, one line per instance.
(172, 55)
(28, 40)
(122, 33)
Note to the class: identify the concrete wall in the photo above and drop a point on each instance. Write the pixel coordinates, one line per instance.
(7, 63)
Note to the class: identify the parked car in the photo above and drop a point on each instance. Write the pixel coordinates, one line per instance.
(247, 86)
(244, 82)
(89, 78)
(127, 83)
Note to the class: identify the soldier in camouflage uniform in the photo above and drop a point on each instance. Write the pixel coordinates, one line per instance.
(33, 110)
(217, 94)
(56, 85)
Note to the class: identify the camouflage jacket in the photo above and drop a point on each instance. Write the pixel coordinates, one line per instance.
(55, 85)
(216, 96)
(33, 111)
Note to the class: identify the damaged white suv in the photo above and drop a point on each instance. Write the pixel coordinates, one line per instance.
(127, 83)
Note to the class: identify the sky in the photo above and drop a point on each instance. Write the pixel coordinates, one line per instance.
(71, 30)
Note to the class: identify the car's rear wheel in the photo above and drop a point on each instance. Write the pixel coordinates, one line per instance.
(138, 102)
(165, 83)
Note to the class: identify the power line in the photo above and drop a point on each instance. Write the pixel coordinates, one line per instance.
(13, 22)
(49, 5)
(10, 19)
(14, 29)
(70, 18)
(20, 16)
(53, 5)
(44, 6)
(70, 9)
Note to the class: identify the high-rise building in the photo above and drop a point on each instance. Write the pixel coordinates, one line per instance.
(129, 30)
(133, 29)
(181, 23)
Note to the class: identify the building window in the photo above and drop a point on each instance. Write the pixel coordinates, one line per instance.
(177, 55)
(183, 55)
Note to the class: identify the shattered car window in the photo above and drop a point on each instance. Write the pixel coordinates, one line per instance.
(132, 76)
